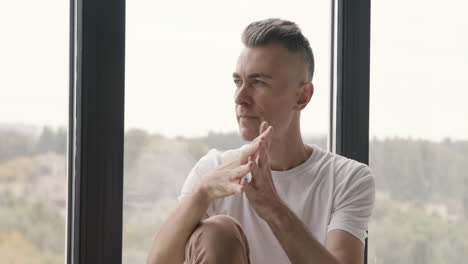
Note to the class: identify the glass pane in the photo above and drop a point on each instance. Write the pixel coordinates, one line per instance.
(180, 57)
(33, 130)
(419, 129)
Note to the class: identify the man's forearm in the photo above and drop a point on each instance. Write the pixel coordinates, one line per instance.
(169, 243)
(296, 239)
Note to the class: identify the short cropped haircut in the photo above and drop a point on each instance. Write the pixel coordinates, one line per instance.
(284, 32)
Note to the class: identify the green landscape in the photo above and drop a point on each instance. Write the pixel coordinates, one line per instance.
(421, 212)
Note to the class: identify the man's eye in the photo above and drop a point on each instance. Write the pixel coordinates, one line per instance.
(258, 82)
(238, 82)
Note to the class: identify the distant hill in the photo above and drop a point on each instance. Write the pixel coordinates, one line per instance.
(21, 128)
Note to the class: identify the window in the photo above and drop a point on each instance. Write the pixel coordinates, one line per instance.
(419, 131)
(33, 120)
(34, 68)
(179, 97)
(97, 113)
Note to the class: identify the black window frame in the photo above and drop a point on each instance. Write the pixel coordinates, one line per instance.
(349, 99)
(96, 116)
(96, 135)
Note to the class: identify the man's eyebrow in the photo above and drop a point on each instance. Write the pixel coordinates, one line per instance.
(254, 75)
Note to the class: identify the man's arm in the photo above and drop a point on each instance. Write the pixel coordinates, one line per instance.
(169, 243)
(293, 235)
(301, 247)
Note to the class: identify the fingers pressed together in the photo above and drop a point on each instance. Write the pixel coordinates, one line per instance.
(256, 153)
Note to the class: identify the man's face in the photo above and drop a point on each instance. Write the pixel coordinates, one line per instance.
(268, 83)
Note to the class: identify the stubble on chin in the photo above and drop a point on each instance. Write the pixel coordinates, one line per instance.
(248, 134)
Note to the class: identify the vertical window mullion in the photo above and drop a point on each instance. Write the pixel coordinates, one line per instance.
(350, 126)
(96, 131)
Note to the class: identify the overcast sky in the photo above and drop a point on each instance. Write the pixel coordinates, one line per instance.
(181, 55)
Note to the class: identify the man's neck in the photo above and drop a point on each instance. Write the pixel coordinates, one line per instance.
(288, 152)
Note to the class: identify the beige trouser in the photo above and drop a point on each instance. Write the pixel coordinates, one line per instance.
(218, 239)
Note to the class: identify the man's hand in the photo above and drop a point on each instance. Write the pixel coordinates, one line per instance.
(261, 190)
(225, 179)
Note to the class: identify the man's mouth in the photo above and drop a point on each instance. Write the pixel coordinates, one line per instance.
(248, 116)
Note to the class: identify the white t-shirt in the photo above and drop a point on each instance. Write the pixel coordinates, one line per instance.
(326, 192)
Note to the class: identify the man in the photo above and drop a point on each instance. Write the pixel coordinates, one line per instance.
(276, 199)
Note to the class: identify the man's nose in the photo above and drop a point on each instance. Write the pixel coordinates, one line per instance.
(243, 95)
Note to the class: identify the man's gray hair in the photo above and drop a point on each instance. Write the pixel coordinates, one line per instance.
(285, 32)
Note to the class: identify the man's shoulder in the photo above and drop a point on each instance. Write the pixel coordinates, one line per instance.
(349, 178)
(345, 169)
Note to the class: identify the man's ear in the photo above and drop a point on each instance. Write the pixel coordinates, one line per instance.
(305, 94)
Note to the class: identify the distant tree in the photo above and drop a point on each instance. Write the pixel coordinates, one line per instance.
(160, 169)
(418, 170)
(60, 145)
(18, 169)
(134, 142)
(465, 197)
(16, 248)
(223, 141)
(31, 226)
(46, 141)
(15, 144)
(197, 148)
(410, 236)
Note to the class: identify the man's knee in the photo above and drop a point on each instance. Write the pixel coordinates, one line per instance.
(219, 231)
(218, 239)
(220, 228)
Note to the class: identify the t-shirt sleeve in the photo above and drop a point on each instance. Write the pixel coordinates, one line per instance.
(205, 165)
(354, 202)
